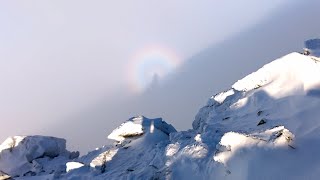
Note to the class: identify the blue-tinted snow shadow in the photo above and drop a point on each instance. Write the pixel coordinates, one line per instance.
(315, 92)
(298, 115)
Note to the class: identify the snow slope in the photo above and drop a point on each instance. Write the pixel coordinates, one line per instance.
(268, 123)
(266, 126)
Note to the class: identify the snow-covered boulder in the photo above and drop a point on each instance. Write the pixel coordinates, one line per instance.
(138, 126)
(137, 153)
(33, 155)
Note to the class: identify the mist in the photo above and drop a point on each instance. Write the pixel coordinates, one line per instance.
(178, 97)
(64, 65)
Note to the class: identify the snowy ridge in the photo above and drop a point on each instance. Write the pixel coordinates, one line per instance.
(266, 126)
(284, 93)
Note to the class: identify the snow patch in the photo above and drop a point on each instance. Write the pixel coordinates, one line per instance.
(73, 165)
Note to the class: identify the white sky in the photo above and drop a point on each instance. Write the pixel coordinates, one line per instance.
(58, 56)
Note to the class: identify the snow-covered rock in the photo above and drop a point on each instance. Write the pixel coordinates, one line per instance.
(138, 126)
(33, 155)
(137, 153)
(266, 126)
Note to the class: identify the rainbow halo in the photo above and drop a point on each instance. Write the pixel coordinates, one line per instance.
(150, 63)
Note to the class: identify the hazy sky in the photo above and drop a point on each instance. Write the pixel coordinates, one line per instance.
(59, 59)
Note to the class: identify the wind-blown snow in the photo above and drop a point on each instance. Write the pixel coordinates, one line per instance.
(266, 126)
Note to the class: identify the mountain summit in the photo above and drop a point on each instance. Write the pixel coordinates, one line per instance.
(266, 126)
